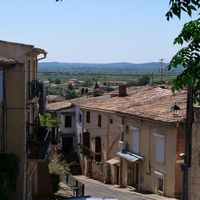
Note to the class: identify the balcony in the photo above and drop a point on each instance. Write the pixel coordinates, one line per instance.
(33, 89)
(38, 150)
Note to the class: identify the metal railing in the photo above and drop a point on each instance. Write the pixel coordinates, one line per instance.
(77, 187)
(92, 155)
(39, 149)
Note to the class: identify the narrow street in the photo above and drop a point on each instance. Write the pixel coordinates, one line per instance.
(95, 188)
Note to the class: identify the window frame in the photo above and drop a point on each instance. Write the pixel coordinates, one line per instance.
(159, 177)
(135, 134)
(88, 117)
(99, 120)
(157, 150)
(70, 121)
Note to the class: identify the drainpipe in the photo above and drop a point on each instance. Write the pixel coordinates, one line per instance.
(121, 161)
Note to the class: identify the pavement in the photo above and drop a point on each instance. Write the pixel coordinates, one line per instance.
(98, 189)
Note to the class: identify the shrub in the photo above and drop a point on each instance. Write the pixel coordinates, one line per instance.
(56, 169)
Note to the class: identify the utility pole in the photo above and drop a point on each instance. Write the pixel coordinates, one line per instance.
(161, 69)
(188, 141)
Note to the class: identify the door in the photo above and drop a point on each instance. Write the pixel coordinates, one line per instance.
(136, 175)
(67, 144)
(117, 174)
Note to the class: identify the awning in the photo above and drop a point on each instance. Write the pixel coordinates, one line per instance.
(112, 161)
(159, 174)
(129, 156)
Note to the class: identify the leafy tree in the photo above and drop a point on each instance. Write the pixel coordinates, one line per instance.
(188, 57)
(144, 80)
(57, 81)
(96, 85)
(70, 87)
(179, 6)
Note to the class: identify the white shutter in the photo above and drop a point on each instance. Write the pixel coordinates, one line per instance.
(135, 140)
(159, 148)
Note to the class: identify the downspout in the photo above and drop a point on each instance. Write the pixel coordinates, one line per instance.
(45, 55)
(121, 159)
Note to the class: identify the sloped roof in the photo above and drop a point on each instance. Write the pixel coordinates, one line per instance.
(146, 102)
(58, 105)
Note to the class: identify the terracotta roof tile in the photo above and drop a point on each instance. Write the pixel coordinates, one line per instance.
(58, 105)
(146, 102)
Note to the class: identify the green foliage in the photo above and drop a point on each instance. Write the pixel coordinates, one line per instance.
(56, 169)
(179, 6)
(57, 81)
(48, 122)
(54, 91)
(9, 169)
(144, 80)
(188, 57)
(56, 166)
(70, 87)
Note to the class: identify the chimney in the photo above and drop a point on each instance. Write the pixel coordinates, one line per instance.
(122, 90)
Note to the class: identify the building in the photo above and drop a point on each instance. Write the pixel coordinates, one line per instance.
(70, 124)
(133, 139)
(20, 93)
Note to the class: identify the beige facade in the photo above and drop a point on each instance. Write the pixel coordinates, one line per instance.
(19, 110)
(152, 140)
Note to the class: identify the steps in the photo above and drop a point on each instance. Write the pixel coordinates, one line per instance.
(73, 162)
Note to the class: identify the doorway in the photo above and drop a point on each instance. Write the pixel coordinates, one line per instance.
(117, 174)
(136, 175)
(67, 144)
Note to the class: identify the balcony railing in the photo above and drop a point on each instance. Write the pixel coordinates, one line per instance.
(77, 188)
(33, 89)
(38, 150)
(91, 154)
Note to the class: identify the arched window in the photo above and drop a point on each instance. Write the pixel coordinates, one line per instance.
(98, 149)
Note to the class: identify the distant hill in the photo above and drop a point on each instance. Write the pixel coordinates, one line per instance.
(122, 67)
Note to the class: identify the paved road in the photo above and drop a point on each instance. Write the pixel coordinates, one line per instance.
(97, 189)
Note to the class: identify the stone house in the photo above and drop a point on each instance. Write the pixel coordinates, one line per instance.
(134, 139)
(20, 93)
(70, 124)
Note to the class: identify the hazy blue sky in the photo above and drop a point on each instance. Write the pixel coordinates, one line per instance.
(92, 30)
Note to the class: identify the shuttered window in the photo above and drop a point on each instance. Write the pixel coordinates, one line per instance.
(159, 147)
(135, 140)
(68, 121)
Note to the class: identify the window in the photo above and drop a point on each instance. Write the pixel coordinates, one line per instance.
(99, 120)
(159, 181)
(68, 121)
(88, 117)
(98, 149)
(135, 140)
(80, 118)
(111, 121)
(160, 184)
(86, 143)
(159, 148)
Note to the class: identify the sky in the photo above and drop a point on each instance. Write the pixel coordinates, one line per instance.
(93, 31)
